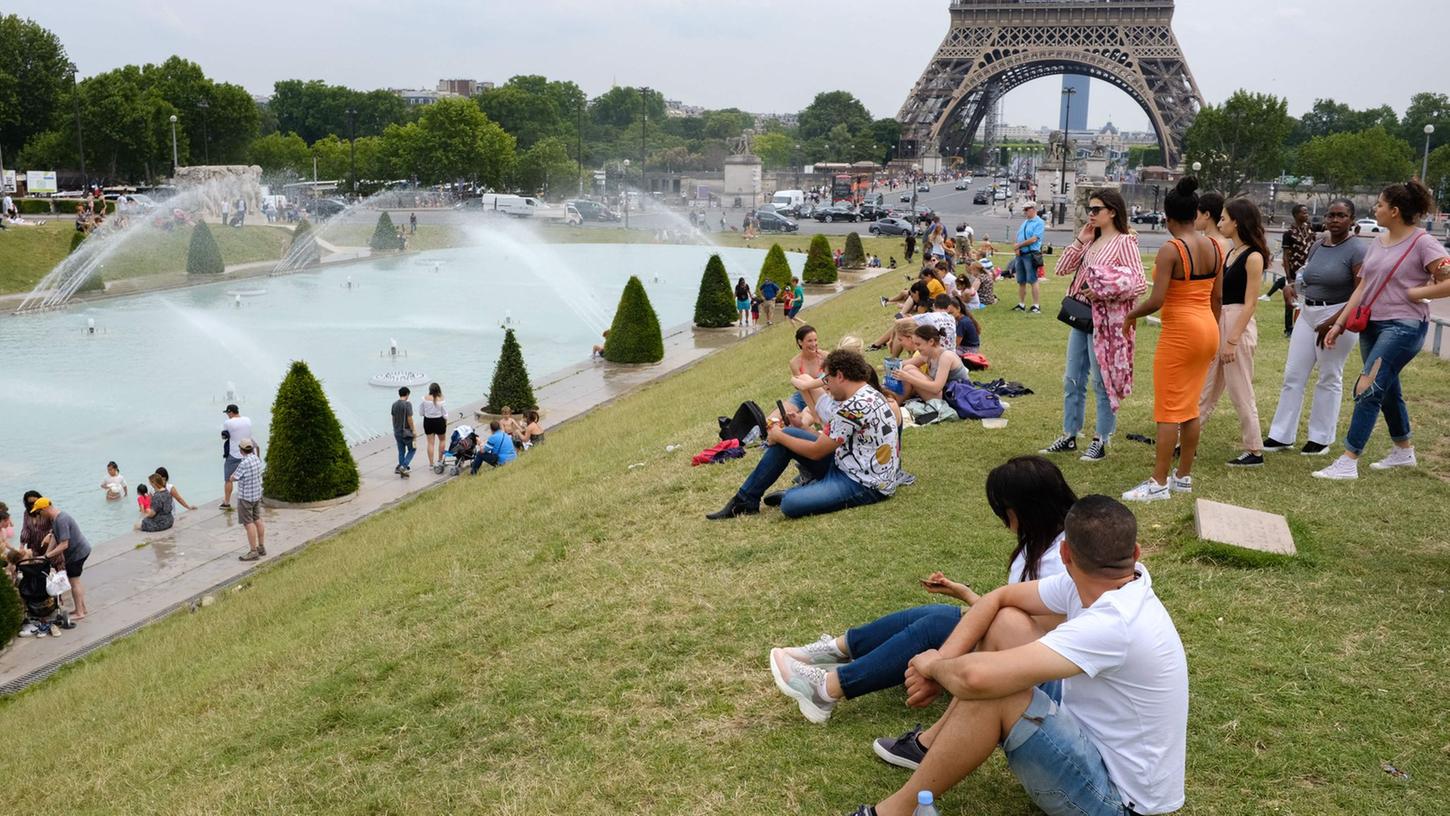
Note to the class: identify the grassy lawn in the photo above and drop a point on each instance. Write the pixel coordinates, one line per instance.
(569, 635)
(28, 253)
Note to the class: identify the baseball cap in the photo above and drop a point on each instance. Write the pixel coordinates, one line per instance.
(1030, 205)
(247, 444)
(40, 504)
(232, 409)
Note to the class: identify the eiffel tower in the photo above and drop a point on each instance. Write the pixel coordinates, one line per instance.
(994, 46)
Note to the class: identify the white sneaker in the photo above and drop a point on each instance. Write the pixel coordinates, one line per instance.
(821, 653)
(1265, 298)
(28, 630)
(1179, 484)
(1148, 491)
(1399, 457)
(1344, 469)
(801, 683)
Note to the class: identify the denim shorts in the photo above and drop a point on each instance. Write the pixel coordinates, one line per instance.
(1025, 269)
(1057, 764)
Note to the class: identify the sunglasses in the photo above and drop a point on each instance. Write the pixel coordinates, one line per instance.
(1096, 210)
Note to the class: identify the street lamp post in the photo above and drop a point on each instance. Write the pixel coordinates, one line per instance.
(1067, 94)
(579, 145)
(352, 149)
(205, 134)
(1425, 162)
(175, 161)
(80, 140)
(624, 192)
(643, 118)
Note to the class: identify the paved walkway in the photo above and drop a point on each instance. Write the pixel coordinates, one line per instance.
(137, 578)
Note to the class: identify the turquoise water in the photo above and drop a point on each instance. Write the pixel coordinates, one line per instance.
(148, 387)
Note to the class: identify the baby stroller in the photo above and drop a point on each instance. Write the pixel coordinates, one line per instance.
(44, 614)
(461, 447)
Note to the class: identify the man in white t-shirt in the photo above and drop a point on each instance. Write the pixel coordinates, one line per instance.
(1116, 741)
(939, 319)
(235, 428)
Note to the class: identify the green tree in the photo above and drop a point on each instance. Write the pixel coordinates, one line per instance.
(1239, 141)
(775, 268)
(1328, 117)
(1438, 178)
(619, 107)
(1145, 156)
(385, 235)
(1345, 161)
(726, 123)
(715, 305)
(34, 73)
(453, 139)
(203, 256)
(1425, 109)
(510, 386)
(546, 166)
(304, 249)
(854, 255)
(774, 149)
(820, 266)
(634, 336)
(12, 612)
(280, 153)
(307, 457)
(831, 109)
(315, 109)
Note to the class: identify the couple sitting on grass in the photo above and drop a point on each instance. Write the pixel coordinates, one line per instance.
(1074, 667)
(854, 460)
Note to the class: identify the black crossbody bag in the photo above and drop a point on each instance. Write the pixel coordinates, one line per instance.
(1077, 312)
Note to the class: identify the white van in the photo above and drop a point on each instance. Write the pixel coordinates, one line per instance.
(788, 200)
(517, 206)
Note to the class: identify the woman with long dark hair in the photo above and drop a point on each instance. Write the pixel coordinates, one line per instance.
(1233, 368)
(1107, 270)
(1402, 268)
(1031, 497)
(1187, 286)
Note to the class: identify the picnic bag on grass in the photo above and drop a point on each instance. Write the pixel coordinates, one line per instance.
(971, 402)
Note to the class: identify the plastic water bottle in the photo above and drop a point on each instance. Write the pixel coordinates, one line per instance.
(925, 805)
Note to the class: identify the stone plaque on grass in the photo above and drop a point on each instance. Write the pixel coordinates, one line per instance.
(1242, 527)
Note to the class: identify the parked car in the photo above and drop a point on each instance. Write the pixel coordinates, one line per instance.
(923, 188)
(1367, 226)
(323, 207)
(805, 210)
(592, 210)
(982, 197)
(872, 212)
(772, 221)
(1149, 218)
(891, 226)
(837, 212)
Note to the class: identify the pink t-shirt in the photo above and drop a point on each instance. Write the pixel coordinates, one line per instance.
(1395, 303)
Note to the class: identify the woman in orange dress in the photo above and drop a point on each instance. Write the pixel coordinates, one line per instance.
(1188, 287)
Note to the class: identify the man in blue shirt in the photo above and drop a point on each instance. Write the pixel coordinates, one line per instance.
(1029, 256)
(768, 292)
(497, 450)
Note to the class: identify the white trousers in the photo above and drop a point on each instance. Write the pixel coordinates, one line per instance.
(1304, 355)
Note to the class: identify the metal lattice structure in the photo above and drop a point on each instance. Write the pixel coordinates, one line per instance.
(994, 46)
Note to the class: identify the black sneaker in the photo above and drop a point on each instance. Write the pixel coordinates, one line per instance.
(735, 507)
(904, 752)
(1035, 310)
(1247, 459)
(1272, 445)
(864, 810)
(1313, 449)
(773, 499)
(1019, 308)
(1096, 452)
(1064, 444)
(875, 347)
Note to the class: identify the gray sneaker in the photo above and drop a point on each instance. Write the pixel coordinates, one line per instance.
(800, 682)
(821, 653)
(904, 752)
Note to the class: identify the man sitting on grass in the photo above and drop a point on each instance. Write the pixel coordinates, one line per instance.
(497, 450)
(854, 462)
(1115, 742)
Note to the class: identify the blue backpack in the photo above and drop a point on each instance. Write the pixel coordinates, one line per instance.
(971, 402)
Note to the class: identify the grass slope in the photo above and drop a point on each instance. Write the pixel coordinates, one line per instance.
(598, 647)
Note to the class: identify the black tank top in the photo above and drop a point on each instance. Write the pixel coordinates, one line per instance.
(1236, 279)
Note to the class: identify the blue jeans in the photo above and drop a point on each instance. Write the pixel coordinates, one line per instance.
(484, 456)
(797, 400)
(1392, 344)
(881, 649)
(1057, 764)
(829, 491)
(1082, 364)
(405, 450)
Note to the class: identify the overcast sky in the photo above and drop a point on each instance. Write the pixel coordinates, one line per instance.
(760, 55)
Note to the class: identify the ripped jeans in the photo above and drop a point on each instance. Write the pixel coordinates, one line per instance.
(1387, 346)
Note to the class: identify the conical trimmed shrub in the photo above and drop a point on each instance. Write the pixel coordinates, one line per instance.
(820, 267)
(307, 456)
(76, 239)
(854, 255)
(715, 305)
(12, 613)
(385, 235)
(510, 379)
(304, 249)
(203, 256)
(776, 268)
(635, 335)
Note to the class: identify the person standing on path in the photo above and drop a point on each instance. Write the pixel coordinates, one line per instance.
(435, 423)
(1028, 249)
(413, 223)
(768, 292)
(1238, 332)
(1402, 268)
(1325, 283)
(910, 244)
(798, 299)
(742, 302)
(66, 543)
(234, 429)
(248, 477)
(403, 431)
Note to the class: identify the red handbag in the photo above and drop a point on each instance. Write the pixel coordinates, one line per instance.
(1358, 319)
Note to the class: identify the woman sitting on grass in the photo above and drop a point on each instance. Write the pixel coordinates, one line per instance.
(969, 331)
(1031, 497)
(943, 365)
